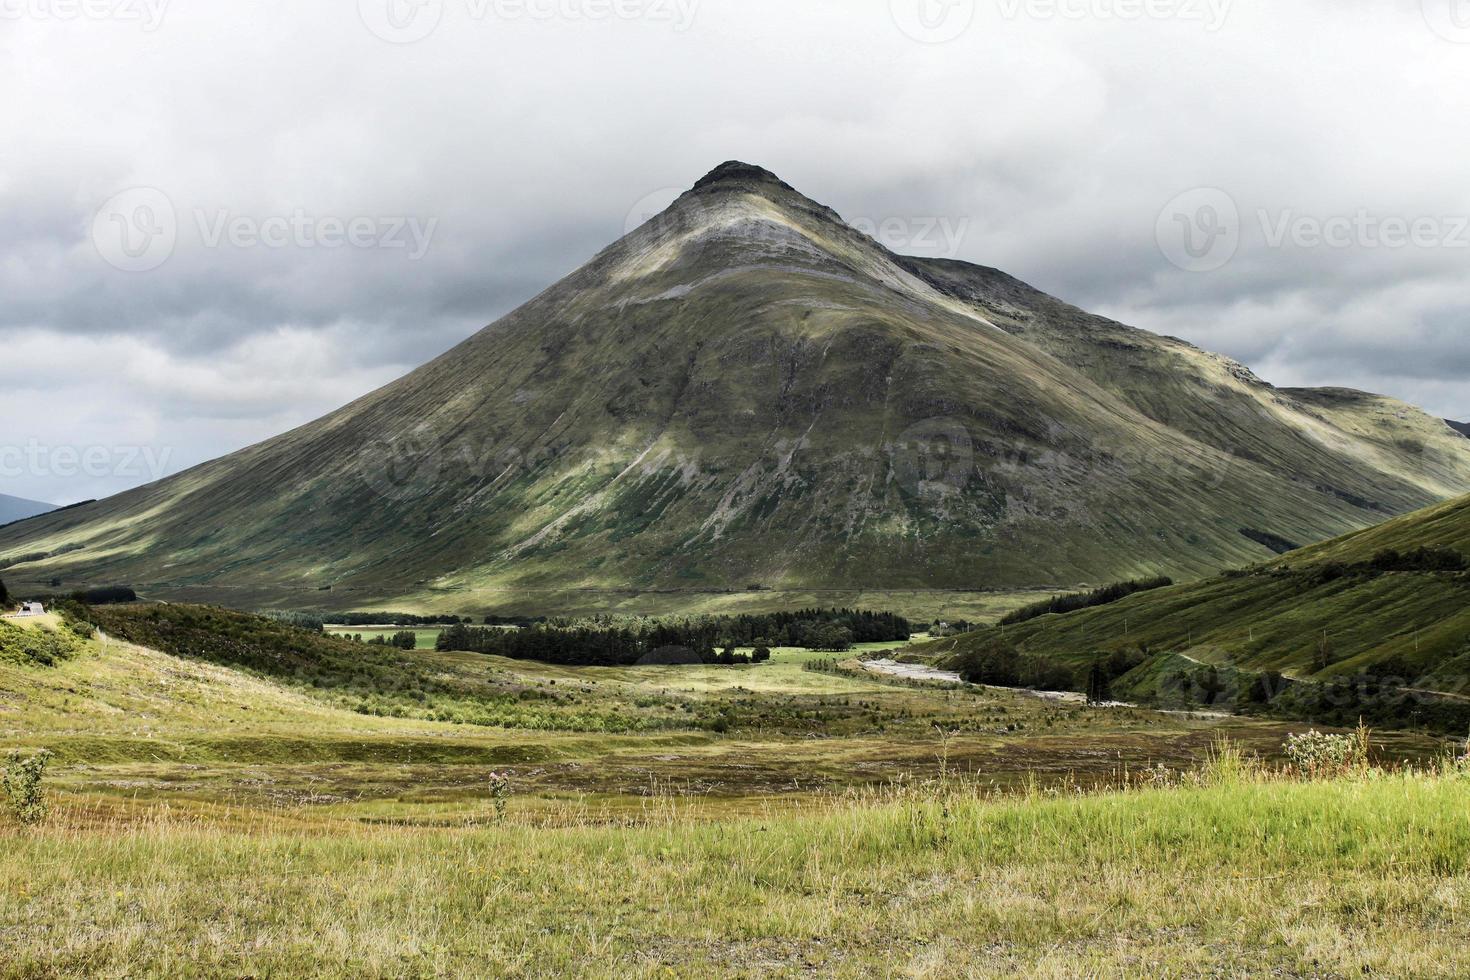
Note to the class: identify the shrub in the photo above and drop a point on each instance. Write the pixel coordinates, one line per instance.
(37, 647)
(24, 789)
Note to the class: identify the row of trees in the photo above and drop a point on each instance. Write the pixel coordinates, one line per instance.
(593, 647)
(705, 640)
(104, 596)
(814, 629)
(1071, 602)
(999, 664)
(402, 640)
(1392, 560)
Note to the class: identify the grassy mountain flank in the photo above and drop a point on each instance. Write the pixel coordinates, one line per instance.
(748, 391)
(1393, 595)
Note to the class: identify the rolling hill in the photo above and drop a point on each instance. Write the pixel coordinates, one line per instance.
(1397, 594)
(745, 391)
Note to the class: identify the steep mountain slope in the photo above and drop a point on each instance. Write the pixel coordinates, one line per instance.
(1397, 592)
(18, 509)
(747, 390)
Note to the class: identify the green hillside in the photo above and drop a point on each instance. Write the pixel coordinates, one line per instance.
(747, 391)
(1393, 598)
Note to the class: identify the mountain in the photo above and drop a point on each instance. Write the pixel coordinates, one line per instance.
(746, 390)
(1461, 427)
(1395, 593)
(18, 509)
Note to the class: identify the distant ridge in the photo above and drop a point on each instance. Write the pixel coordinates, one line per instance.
(1461, 427)
(748, 391)
(18, 509)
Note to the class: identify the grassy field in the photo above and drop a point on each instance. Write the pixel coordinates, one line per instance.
(219, 813)
(128, 722)
(1357, 877)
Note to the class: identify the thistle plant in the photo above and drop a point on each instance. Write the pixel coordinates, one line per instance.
(23, 787)
(499, 794)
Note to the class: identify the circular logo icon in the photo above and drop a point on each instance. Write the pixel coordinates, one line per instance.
(402, 468)
(1450, 19)
(649, 208)
(401, 21)
(136, 230)
(934, 457)
(933, 21)
(1199, 231)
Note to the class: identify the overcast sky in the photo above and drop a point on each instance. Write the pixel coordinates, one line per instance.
(223, 220)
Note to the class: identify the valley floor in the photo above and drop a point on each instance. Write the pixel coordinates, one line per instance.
(789, 818)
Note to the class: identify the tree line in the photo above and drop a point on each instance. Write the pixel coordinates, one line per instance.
(710, 640)
(1085, 600)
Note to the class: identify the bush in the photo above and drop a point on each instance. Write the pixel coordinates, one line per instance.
(37, 647)
(24, 789)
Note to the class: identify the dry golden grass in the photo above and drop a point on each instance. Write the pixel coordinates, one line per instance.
(1233, 874)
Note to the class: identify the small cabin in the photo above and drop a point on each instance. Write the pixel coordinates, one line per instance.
(32, 609)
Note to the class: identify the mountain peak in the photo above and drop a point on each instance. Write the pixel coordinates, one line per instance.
(737, 177)
(743, 175)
